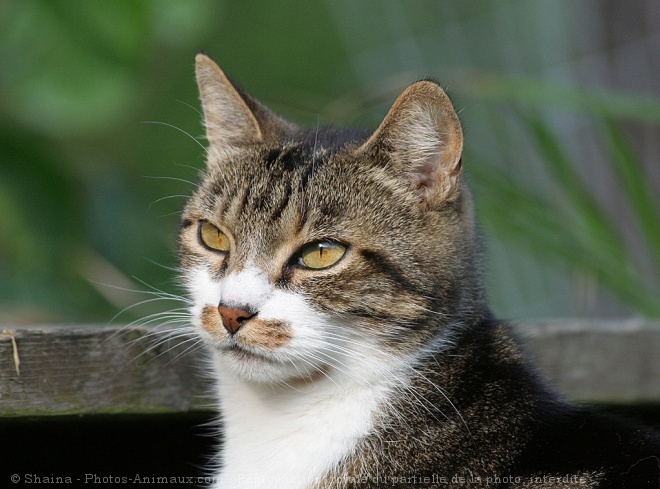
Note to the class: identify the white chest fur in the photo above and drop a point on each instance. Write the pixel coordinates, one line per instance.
(288, 438)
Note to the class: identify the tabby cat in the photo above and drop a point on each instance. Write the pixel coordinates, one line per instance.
(335, 277)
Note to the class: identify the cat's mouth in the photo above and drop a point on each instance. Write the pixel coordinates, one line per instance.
(265, 367)
(238, 352)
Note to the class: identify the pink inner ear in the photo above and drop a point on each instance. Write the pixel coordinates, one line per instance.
(438, 172)
(425, 173)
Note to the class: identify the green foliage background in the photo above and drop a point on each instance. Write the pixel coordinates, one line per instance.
(99, 126)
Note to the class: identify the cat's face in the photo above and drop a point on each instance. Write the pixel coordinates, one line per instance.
(310, 253)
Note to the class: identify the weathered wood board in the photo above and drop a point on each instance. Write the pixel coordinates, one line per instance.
(606, 362)
(50, 370)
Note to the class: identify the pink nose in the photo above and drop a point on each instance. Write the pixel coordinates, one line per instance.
(232, 318)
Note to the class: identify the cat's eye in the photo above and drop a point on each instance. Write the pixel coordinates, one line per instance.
(321, 254)
(213, 238)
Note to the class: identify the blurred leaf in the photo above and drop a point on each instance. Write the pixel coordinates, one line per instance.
(632, 177)
(500, 205)
(183, 23)
(42, 226)
(17, 245)
(520, 91)
(114, 31)
(532, 93)
(77, 76)
(81, 73)
(593, 225)
(575, 231)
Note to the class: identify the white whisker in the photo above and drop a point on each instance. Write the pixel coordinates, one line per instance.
(175, 179)
(178, 129)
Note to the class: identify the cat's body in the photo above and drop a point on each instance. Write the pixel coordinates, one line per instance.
(335, 277)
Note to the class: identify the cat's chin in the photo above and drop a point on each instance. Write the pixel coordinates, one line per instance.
(264, 368)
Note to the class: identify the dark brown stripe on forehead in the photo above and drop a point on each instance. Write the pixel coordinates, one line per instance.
(245, 195)
(288, 159)
(308, 171)
(305, 190)
(279, 208)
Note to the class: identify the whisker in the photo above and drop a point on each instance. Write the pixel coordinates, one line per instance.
(161, 338)
(174, 269)
(197, 343)
(175, 179)
(443, 394)
(167, 197)
(178, 129)
(191, 106)
(403, 381)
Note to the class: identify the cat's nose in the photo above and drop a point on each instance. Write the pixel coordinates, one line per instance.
(233, 318)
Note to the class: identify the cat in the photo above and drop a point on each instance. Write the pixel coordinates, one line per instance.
(336, 281)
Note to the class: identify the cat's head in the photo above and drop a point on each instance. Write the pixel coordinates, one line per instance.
(306, 251)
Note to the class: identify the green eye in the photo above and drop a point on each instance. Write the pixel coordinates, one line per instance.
(321, 254)
(213, 238)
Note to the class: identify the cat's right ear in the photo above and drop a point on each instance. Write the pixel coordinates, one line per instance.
(232, 118)
(421, 139)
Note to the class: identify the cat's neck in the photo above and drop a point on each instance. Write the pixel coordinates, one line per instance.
(299, 432)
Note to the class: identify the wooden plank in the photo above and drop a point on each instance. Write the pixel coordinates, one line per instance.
(606, 362)
(48, 370)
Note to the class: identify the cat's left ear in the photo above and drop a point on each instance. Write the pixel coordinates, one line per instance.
(421, 137)
(233, 119)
